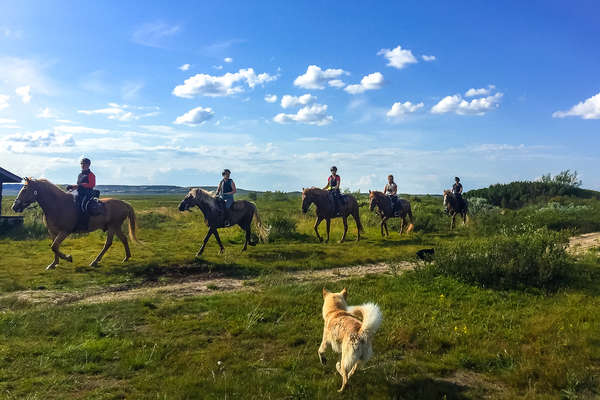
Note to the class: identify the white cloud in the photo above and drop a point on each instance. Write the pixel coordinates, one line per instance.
(4, 101)
(224, 85)
(24, 92)
(479, 92)
(336, 83)
(372, 81)
(154, 34)
(460, 106)
(20, 142)
(18, 72)
(184, 67)
(5, 121)
(398, 57)
(80, 130)
(228, 59)
(316, 78)
(271, 98)
(195, 116)
(46, 113)
(398, 109)
(288, 101)
(218, 67)
(121, 112)
(425, 57)
(315, 114)
(588, 109)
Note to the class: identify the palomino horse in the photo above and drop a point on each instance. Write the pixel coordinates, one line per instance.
(60, 216)
(325, 210)
(241, 212)
(384, 206)
(454, 206)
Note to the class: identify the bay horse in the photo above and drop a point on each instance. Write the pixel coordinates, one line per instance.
(325, 211)
(241, 212)
(385, 211)
(454, 206)
(61, 217)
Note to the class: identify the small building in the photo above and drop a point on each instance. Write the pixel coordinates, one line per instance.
(8, 177)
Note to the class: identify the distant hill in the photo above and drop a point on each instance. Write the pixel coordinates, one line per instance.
(12, 189)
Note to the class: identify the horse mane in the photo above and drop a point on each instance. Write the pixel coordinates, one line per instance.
(313, 189)
(51, 186)
(205, 194)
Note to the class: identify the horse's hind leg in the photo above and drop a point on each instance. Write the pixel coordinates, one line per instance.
(345, 220)
(107, 244)
(387, 231)
(317, 222)
(328, 225)
(55, 248)
(402, 222)
(452, 222)
(123, 238)
(247, 229)
(222, 249)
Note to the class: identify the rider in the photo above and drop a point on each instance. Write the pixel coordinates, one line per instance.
(86, 181)
(457, 190)
(391, 191)
(333, 185)
(226, 190)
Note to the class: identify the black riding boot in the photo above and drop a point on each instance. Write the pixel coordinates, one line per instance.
(227, 218)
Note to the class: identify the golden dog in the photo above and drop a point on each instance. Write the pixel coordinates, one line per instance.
(349, 330)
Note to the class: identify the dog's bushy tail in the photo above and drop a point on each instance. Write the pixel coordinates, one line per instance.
(371, 317)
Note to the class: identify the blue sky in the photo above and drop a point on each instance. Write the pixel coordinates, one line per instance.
(280, 91)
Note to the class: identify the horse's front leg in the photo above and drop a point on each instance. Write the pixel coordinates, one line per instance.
(55, 248)
(317, 222)
(464, 218)
(208, 234)
(328, 224)
(452, 223)
(401, 225)
(345, 220)
(382, 225)
(222, 249)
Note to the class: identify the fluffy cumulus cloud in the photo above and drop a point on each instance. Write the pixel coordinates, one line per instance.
(184, 67)
(399, 109)
(398, 57)
(224, 85)
(288, 101)
(588, 109)
(372, 81)
(195, 116)
(24, 92)
(315, 114)
(425, 57)
(228, 59)
(21, 142)
(4, 101)
(271, 98)
(460, 106)
(479, 92)
(316, 78)
(123, 112)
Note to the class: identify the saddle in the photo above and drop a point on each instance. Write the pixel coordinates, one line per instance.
(93, 206)
(396, 206)
(341, 202)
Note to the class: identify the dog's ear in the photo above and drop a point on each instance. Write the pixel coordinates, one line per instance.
(344, 292)
(369, 191)
(325, 292)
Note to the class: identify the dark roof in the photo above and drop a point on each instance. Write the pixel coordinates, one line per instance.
(6, 176)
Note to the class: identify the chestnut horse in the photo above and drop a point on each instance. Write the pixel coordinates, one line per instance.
(454, 206)
(385, 211)
(60, 217)
(325, 211)
(242, 212)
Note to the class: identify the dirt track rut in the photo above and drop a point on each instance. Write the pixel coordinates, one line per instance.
(198, 285)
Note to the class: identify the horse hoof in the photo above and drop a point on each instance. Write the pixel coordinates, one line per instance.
(198, 254)
(221, 251)
(69, 258)
(51, 266)
(125, 260)
(94, 264)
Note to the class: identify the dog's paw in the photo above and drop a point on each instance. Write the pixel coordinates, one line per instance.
(322, 359)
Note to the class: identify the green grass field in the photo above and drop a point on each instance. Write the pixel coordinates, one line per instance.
(442, 337)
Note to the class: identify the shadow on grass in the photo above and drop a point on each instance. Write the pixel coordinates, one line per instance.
(428, 388)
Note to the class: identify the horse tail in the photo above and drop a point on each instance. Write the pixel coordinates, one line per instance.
(132, 223)
(410, 216)
(262, 230)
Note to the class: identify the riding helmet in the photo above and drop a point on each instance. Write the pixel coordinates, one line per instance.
(333, 168)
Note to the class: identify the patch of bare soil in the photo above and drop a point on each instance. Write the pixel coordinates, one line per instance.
(199, 285)
(582, 243)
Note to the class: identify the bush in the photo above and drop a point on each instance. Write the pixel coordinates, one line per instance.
(252, 196)
(517, 258)
(282, 227)
(274, 196)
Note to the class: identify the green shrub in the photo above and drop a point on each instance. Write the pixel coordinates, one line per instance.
(516, 258)
(282, 227)
(252, 196)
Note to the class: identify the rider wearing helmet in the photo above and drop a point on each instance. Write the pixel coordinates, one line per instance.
(226, 190)
(86, 181)
(333, 185)
(391, 191)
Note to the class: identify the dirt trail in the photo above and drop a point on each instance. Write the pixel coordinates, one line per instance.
(198, 285)
(582, 243)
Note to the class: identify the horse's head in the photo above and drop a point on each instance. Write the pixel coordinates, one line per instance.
(189, 200)
(306, 200)
(27, 195)
(372, 200)
(447, 195)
